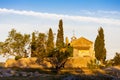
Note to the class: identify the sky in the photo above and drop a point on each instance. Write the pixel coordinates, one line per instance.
(80, 17)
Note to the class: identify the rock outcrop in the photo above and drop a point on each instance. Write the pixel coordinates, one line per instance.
(27, 63)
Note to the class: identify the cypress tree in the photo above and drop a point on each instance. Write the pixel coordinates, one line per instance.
(60, 37)
(40, 45)
(50, 41)
(99, 46)
(33, 45)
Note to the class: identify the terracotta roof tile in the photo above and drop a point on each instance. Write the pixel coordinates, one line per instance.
(81, 42)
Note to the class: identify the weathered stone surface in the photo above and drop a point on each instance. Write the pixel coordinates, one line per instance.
(115, 71)
(91, 77)
(77, 62)
(10, 72)
(71, 78)
(36, 74)
(27, 63)
(10, 63)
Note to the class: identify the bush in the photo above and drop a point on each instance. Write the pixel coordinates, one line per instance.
(109, 63)
(93, 64)
(116, 59)
(17, 57)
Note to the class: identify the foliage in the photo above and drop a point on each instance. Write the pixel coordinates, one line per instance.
(50, 42)
(16, 43)
(93, 64)
(69, 50)
(116, 59)
(2, 47)
(17, 57)
(59, 54)
(109, 63)
(38, 45)
(59, 57)
(60, 36)
(99, 46)
(33, 45)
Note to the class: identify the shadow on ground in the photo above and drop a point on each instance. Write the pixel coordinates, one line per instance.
(110, 73)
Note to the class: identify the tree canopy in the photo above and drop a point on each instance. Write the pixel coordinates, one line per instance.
(50, 41)
(33, 45)
(116, 59)
(99, 46)
(38, 45)
(16, 43)
(60, 36)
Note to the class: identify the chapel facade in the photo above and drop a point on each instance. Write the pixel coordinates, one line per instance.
(82, 47)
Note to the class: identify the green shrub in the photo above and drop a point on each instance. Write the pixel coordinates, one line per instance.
(93, 64)
(17, 57)
(109, 63)
(116, 59)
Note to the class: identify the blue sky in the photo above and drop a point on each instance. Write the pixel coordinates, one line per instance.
(61, 6)
(83, 16)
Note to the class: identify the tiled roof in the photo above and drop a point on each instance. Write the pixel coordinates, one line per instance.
(81, 42)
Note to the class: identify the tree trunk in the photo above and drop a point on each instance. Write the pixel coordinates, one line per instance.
(102, 63)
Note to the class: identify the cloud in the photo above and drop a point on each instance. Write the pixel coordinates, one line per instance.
(109, 12)
(100, 12)
(108, 21)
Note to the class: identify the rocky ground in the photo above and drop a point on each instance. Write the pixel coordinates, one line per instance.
(110, 73)
(9, 72)
(114, 71)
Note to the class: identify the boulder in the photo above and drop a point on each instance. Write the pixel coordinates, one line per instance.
(10, 63)
(22, 63)
(28, 63)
